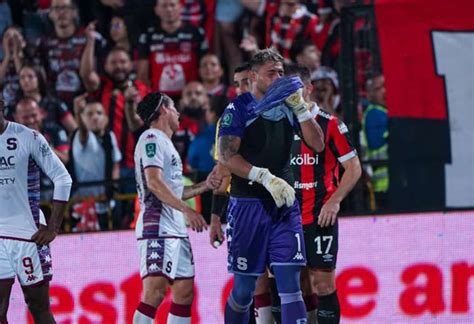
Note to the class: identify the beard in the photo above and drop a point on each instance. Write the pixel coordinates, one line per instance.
(193, 112)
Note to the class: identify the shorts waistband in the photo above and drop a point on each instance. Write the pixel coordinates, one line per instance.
(249, 199)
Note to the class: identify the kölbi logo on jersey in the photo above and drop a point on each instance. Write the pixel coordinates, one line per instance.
(304, 159)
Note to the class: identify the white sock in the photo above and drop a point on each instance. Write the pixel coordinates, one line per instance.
(263, 315)
(313, 316)
(140, 318)
(173, 319)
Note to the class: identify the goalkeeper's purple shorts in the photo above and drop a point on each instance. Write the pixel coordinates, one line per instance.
(260, 234)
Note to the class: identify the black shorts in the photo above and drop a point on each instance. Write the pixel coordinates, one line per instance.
(321, 246)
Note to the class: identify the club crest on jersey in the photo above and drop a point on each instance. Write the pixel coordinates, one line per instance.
(150, 149)
(45, 150)
(226, 120)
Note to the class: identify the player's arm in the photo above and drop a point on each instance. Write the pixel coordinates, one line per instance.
(56, 171)
(157, 185)
(352, 172)
(87, 68)
(343, 149)
(311, 132)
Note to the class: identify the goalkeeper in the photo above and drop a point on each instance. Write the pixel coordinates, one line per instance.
(264, 222)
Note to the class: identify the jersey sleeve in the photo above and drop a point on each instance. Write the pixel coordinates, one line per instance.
(339, 140)
(232, 122)
(51, 166)
(152, 151)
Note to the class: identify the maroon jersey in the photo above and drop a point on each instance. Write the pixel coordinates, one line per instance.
(317, 174)
(174, 58)
(281, 32)
(62, 59)
(113, 101)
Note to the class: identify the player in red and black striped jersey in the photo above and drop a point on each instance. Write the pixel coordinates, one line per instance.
(320, 190)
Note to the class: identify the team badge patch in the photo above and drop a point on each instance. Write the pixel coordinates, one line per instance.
(150, 149)
(226, 120)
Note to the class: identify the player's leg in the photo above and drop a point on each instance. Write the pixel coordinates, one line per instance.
(322, 244)
(33, 267)
(37, 299)
(276, 302)
(156, 270)
(183, 295)
(247, 237)
(263, 301)
(309, 295)
(183, 286)
(7, 278)
(287, 257)
(240, 299)
(154, 291)
(5, 291)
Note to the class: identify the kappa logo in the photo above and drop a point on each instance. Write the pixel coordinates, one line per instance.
(45, 150)
(298, 256)
(174, 160)
(150, 149)
(154, 256)
(153, 267)
(149, 136)
(154, 244)
(31, 277)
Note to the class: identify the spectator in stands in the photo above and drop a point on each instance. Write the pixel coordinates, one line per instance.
(285, 21)
(110, 90)
(326, 90)
(200, 13)
(5, 21)
(95, 156)
(61, 52)
(306, 53)
(169, 51)
(28, 113)
(119, 35)
(192, 107)
(375, 138)
(33, 85)
(13, 45)
(211, 72)
(201, 150)
(228, 15)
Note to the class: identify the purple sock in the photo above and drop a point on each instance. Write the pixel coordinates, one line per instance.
(292, 308)
(235, 313)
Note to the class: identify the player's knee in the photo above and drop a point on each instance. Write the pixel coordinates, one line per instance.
(287, 278)
(184, 295)
(154, 295)
(244, 288)
(37, 305)
(325, 288)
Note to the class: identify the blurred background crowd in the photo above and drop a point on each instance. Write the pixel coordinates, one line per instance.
(76, 70)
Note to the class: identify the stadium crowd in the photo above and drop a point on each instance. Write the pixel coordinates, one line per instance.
(76, 72)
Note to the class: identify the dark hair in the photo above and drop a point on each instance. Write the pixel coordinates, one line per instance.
(218, 105)
(242, 67)
(299, 70)
(299, 46)
(118, 49)
(40, 75)
(265, 56)
(149, 108)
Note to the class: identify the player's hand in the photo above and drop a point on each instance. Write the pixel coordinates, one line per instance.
(196, 221)
(328, 214)
(214, 179)
(296, 102)
(43, 236)
(215, 231)
(282, 193)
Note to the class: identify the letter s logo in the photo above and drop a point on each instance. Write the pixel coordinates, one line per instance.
(241, 263)
(11, 144)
